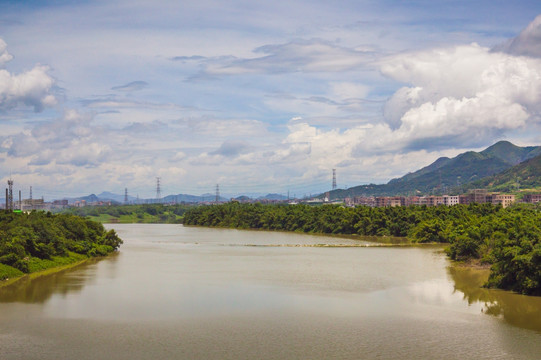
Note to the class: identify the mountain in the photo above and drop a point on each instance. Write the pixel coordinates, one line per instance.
(109, 196)
(511, 154)
(527, 174)
(446, 175)
(89, 199)
(273, 197)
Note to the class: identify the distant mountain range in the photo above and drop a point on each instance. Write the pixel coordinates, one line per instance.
(501, 167)
(499, 164)
(186, 198)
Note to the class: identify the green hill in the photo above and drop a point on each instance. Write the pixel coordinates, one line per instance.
(449, 175)
(525, 175)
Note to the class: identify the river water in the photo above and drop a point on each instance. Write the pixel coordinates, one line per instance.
(176, 292)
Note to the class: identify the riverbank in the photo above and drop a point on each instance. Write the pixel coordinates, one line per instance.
(40, 267)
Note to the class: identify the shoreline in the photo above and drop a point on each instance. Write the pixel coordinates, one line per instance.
(394, 240)
(50, 270)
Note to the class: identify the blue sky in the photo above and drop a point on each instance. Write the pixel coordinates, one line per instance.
(257, 96)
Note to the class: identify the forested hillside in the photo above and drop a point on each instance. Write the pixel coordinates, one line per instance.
(509, 239)
(525, 175)
(450, 175)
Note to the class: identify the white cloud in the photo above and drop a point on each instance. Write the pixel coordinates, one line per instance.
(4, 55)
(314, 55)
(349, 90)
(179, 156)
(31, 88)
(463, 92)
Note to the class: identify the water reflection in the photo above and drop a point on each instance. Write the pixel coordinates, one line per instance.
(39, 288)
(518, 310)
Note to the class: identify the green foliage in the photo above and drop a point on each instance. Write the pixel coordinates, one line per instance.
(37, 264)
(8, 272)
(524, 175)
(39, 240)
(144, 213)
(509, 239)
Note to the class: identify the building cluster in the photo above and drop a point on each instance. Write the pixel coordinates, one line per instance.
(479, 196)
(36, 204)
(19, 204)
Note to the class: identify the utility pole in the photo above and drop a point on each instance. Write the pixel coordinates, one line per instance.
(125, 196)
(217, 192)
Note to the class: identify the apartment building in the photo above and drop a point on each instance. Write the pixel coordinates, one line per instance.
(531, 198)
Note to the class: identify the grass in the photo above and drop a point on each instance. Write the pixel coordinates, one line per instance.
(40, 267)
(134, 219)
(8, 272)
(36, 264)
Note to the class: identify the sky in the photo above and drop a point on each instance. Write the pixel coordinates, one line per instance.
(258, 97)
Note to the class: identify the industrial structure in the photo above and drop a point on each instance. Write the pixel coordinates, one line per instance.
(158, 190)
(9, 195)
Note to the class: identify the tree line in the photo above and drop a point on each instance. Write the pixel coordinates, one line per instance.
(140, 213)
(507, 239)
(33, 241)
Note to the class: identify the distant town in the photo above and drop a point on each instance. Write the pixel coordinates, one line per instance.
(479, 196)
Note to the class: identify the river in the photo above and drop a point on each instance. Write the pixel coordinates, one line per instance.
(175, 292)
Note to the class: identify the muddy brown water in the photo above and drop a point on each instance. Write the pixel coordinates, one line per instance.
(176, 292)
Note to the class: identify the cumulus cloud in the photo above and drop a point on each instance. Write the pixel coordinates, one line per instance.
(68, 140)
(470, 93)
(4, 55)
(179, 156)
(232, 148)
(459, 96)
(462, 91)
(455, 97)
(30, 88)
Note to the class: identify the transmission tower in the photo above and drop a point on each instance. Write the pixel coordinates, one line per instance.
(158, 190)
(125, 196)
(334, 179)
(10, 194)
(217, 192)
